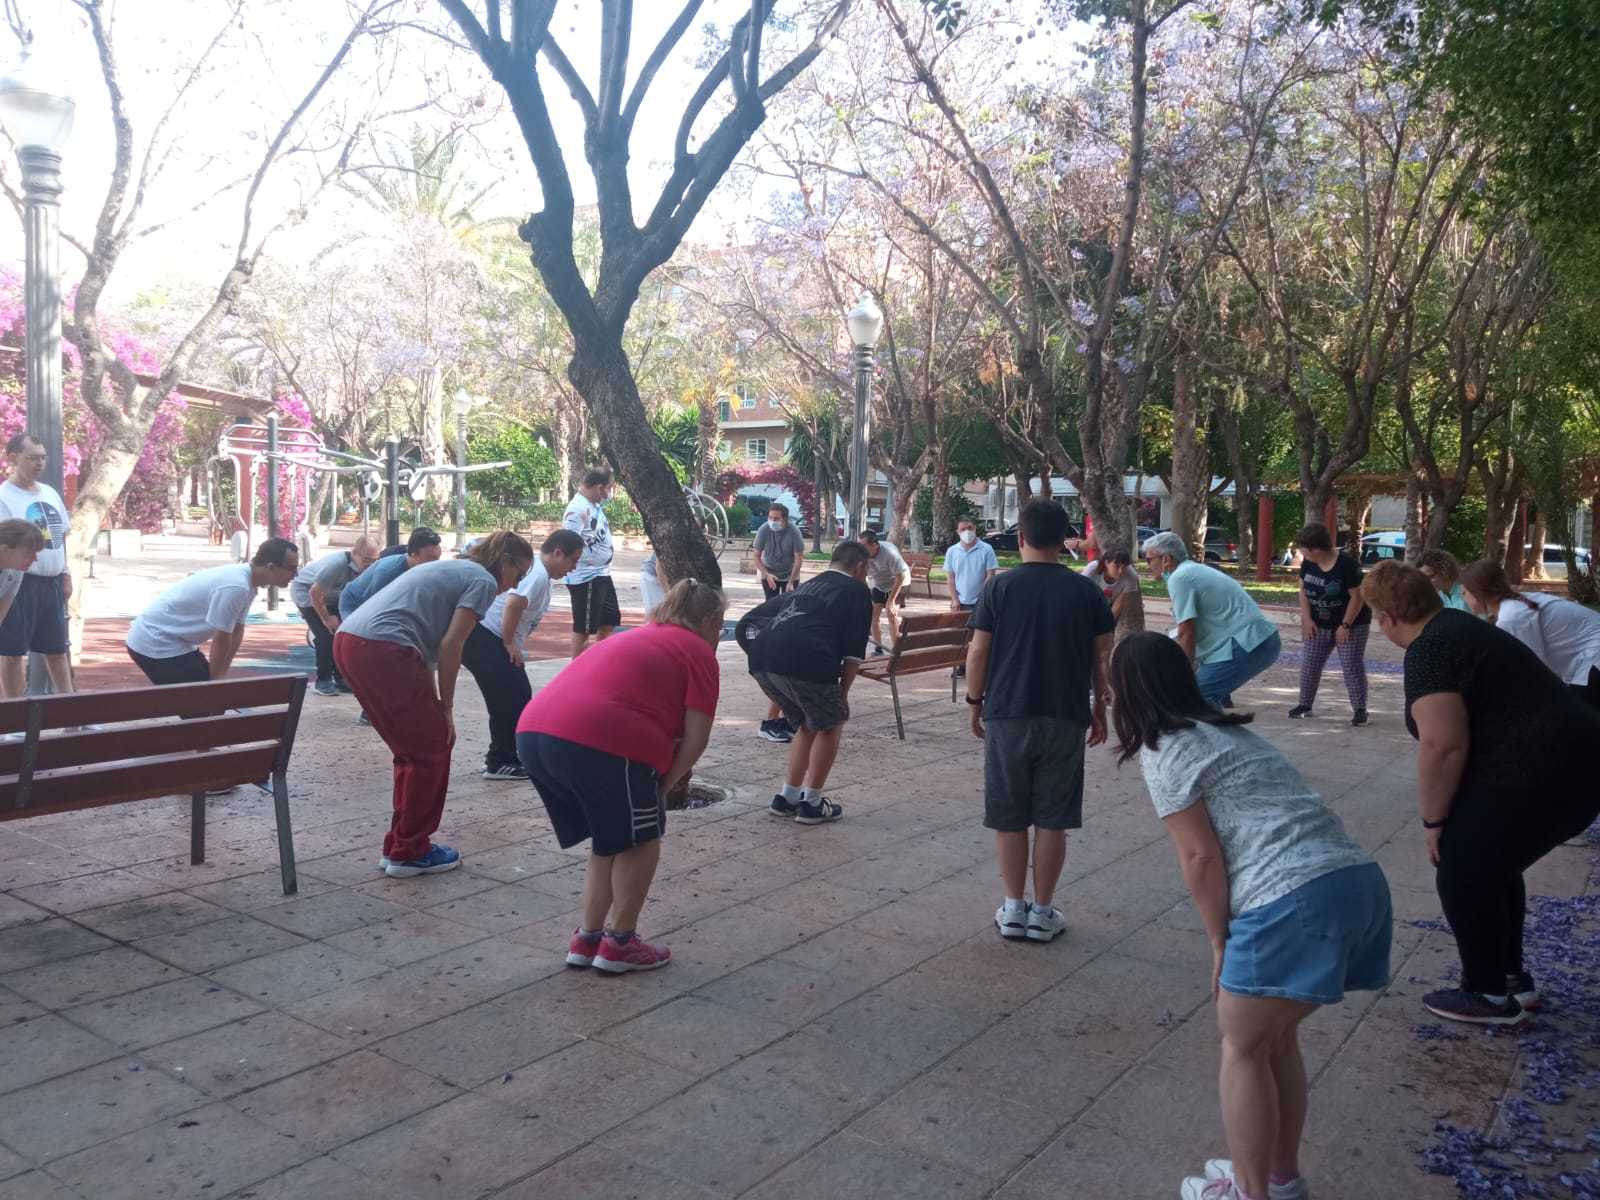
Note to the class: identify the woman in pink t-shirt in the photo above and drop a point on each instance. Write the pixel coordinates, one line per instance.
(605, 740)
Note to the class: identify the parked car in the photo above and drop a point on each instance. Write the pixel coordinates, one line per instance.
(1555, 559)
(1220, 546)
(1004, 541)
(1376, 547)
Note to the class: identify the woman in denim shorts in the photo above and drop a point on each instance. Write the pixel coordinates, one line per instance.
(1298, 914)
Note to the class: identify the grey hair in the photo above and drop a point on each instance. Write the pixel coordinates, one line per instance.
(1169, 544)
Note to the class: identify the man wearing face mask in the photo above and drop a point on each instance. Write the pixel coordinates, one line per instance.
(779, 552)
(1226, 636)
(595, 612)
(968, 565)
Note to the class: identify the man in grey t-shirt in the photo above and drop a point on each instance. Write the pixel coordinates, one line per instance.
(889, 576)
(779, 552)
(315, 592)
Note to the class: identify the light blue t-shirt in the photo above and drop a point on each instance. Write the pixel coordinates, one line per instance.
(1221, 610)
(1455, 598)
(969, 568)
(370, 582)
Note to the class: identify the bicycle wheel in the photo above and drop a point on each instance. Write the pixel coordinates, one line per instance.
(712, 515)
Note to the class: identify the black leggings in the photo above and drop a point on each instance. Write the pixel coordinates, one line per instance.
(506, 692)
(322, 643)
(1489, 842)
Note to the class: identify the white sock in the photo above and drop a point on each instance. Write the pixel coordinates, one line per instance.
(1042, 908)
(1493, 999)
(811, 795)
(791, 792)
(1016, 905)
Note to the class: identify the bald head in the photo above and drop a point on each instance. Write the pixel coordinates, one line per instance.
(365, 552)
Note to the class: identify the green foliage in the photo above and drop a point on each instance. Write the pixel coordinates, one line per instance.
(1463, 536)
(738, 519)
(533, 465)
(1288, 518)
(960, 507)
(947, 14)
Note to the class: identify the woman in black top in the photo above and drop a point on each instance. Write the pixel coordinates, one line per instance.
(1501, 780)
(1333, 616)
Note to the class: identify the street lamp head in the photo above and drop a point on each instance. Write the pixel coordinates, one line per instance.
(33, 113)
(865, 321)
(463, 401)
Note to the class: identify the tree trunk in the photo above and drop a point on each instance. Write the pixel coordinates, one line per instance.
(1415, 491)
(600, 372)
(1533, 557)
(98, 488)
(1191, 467)
(1246, 490)
(430, 398)
(1360, 511)
(943, 531)
(710, 437)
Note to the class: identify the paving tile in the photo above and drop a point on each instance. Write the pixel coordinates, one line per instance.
(465, 1147)
(328, 913)
(724, 1138)
(899, 1026)
(259, 889)
(588, 1088)
(515, 863)
(244, 1054)
(47, 1046)
(321, 1178)
(479, 1044)
(11, 1164)
(500, 908)
(781, 991)
(384, 1005)
(151, 917)
(39, 942)
(852, 954)
(404, 939)
(36, 1185)
(208, 1152)
(694, 1035)
(161, 1013)
(452, 885)
(340, 1101)
(92, 976)
(79, 892)
(76, 1111)
(835, 1076)
(14, 1008)
(603, 1173)
(493, 966)
(19, 912)
(216, 944)
(847, 1165)
(303, 970)
(586, 1002)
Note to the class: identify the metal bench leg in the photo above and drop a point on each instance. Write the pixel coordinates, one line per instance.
(899, 724)
(197, 828)
(280, 804)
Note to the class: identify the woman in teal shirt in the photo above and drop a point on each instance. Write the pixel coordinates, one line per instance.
(1441, 567)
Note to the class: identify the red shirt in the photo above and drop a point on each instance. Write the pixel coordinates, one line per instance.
(627, 694)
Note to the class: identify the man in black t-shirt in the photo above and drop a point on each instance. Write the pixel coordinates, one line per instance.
(1041, 636)
(805, 648)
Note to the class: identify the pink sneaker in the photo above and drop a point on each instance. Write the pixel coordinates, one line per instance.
(635, 954)
(581, 950)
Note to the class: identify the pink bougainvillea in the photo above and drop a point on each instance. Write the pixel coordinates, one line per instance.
(144, 501)
(294, 483)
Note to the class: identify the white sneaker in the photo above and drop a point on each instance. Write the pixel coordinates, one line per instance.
(1195, 1188)
(1012, 922)
(1045, 923)
(1222, 1168)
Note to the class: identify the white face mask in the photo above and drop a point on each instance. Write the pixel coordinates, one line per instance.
(968, 536)
(775, 526)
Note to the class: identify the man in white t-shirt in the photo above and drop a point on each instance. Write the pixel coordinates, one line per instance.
(595, 612)
(210, 606)
(36, 623)
(495, 650)
(889, 576)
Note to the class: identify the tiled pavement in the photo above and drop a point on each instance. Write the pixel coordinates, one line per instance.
(839, 1018)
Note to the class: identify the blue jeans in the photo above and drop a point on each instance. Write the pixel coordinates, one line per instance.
(1218, 679)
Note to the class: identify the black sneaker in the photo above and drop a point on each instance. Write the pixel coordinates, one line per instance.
(1360, 718)
(1298, 711)
(819, 813)
(1524, 991)
(775, 731)
(343, 688)
(781, 807)
(1457, 1004)
(509, 771)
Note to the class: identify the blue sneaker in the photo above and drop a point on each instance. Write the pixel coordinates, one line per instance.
(438, 858)
(324, 687)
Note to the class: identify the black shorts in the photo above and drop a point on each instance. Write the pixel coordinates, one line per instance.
(1033, 774)
(594, 605)
(614, 802)
(773, 589)
(37, 622)
(882, 597)
(804, 702)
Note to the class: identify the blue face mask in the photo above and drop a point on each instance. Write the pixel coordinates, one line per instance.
(604, 502)
(775, 526)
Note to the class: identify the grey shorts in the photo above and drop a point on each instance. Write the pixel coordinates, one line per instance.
(1033, 774)
(817, 706)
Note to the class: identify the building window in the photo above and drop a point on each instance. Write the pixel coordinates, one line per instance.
(788, 444)
(724, 410)
(746, 393)
(755, 450)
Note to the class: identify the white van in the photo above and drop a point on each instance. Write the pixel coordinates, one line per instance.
(1375, 547)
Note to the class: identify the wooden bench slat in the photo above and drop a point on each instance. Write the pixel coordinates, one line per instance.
(925, 638)
(916, 662)
(104, 783)
(125, 742)
(142, 704)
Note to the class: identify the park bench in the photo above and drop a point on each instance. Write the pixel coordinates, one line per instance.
(928, 642)
(90, 749)
(921, 565)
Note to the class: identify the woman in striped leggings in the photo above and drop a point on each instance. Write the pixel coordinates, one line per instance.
(1333, 617)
